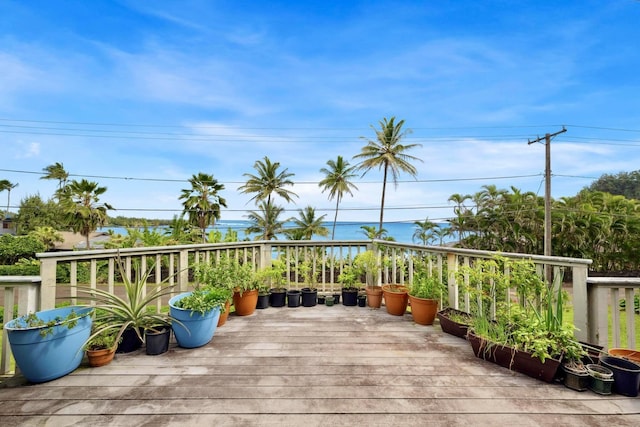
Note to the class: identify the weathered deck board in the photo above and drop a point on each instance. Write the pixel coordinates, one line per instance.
(311, 366)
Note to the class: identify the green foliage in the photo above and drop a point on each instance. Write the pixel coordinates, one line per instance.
(427, 286)
(274, 275)
(227, 273)
(32, 320)
(306, 270)
(625, 184)
(349, 277)
(34, 213)
(131, 312)
(106, 338)
(47, 235)
(537, 326)
(24, 267)
(204, 300)
(368, 263)
(13, 248)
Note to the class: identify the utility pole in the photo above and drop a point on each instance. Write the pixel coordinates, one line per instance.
(547, 192)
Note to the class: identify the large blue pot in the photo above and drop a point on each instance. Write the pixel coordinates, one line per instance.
(195, 329)
(55, 355)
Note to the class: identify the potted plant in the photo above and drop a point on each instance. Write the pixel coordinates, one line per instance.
(216, 275)
(48, 344)
(348, 278)
(245, 285)
(424, 294)
(157, 339)
(368, 264)
(197, 312)
(274, 277)
(130, 315)
(530, 338)
(101, 348)
(263, 296)
(309, 292)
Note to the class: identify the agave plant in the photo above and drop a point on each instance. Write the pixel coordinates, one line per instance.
(133, 311)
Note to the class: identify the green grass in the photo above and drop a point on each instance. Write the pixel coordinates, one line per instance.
(568, 317)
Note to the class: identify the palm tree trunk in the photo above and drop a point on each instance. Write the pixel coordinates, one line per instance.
(335, 219)
(384, 189)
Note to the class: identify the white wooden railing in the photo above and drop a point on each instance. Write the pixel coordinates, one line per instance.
(605, 294)
(23, 292)
(174, 264)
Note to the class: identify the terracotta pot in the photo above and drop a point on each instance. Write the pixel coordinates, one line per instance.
(423, 310)
(224, 316)
(374, 296)
(396, 298)
(245, 302)
(100, 357)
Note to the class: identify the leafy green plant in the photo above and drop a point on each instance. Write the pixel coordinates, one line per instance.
(348, 278)
(427, 286)
(367, 263)
(106, 339)
(309, 276)
(32, 320)
(274, 276)
(204, 300)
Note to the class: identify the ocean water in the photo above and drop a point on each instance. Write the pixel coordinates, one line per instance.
(401, 231)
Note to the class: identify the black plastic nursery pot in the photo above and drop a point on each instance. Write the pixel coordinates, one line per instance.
(157, 342)
(336, 298)
(321, 299)
(278, 297)
(129, 342)
(626, 375)
(362, 300)
(309, 297)
(263, 301)
(293, 298)
(350, 297)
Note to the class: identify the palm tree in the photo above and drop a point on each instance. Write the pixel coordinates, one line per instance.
(387, 153)
(267, 181)
(309, 224)
(6, 185)
(56, 171)
(424, 231)
(461, 211)
(82, 211)
(373, 233)
(202, 201)
(337, 181)
(266, 221)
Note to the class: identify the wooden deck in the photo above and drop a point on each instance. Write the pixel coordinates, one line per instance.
(310, 366)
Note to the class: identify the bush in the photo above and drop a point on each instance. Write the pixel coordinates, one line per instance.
(13, 248)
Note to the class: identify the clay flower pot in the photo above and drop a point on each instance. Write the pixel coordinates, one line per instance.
(396, 298)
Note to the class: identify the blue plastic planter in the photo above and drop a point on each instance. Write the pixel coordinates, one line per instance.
(196, 329)
(42, 359)
(626, 375)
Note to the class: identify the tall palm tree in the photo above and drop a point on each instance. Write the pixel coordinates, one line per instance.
(308, 224)
(387, 152)
(56, 171)
(82, 211)
(461, 211)
(266, 221)
(202, 202)
(268, 181)
(337, 182)
(6, 185)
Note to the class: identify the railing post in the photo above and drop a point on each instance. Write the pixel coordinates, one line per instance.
(581, 304)
(452, 285)
(265, 256)
(48, 286)
(598, 297)
(183, 270)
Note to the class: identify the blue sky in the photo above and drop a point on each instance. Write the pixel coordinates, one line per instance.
(166, 89)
